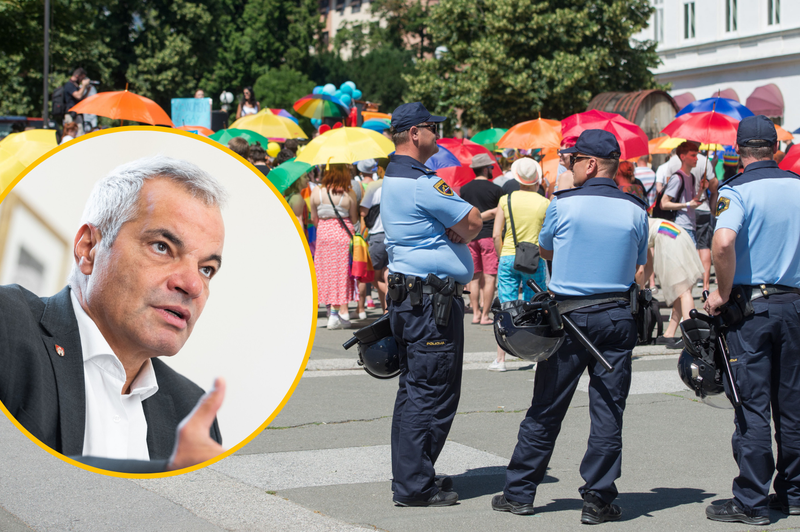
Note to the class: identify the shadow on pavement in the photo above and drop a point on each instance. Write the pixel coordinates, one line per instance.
(484, 481)
(643, 504)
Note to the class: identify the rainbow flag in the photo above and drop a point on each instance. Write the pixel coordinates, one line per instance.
(669, 229)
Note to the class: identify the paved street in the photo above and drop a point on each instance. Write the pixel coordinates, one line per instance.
(324, 464)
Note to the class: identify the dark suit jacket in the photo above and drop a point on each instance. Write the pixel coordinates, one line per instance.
(45, 392)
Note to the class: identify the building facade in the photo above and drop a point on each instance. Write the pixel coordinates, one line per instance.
(743, 48)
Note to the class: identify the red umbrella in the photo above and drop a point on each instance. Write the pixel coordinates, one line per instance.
(708, 128)
(465, 150)
(456, 176)
(791, 162)
(632, 139)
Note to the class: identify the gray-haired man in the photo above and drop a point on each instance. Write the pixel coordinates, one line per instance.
(80, 369)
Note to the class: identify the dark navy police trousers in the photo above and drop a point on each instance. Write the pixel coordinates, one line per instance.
(613, 332)
(431, 359)
(765, 362)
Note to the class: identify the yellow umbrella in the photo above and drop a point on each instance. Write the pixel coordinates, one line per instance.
(20, 150)
(270, 125)
(346, 145)
(673, 142)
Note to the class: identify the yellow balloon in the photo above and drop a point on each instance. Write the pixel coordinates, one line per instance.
(273, 148)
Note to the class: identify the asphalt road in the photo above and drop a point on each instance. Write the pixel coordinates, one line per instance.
(323, 464)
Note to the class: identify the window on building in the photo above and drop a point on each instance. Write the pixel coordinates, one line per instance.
(324, 5)
(730, 15)
(658, 20)
(773, 12)
(688, 20)
(340, 5)
(355, 6)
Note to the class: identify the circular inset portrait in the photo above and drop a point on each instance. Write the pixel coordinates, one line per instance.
(157, 302)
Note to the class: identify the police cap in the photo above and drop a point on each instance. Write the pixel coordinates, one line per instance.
(756, 131)
(597, 143)
(411, 114)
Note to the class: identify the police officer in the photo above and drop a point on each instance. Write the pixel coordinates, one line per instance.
(427, 227)
(596, 236)
(757, 260)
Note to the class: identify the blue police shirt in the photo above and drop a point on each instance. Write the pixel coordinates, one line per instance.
(598, 234)
(416, 208)
(762, 205)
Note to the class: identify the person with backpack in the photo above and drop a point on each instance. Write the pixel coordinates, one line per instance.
(678, 200)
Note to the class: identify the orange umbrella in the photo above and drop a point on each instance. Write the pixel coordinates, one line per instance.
(539, 133)
(124, 105)
(783, 135)
(200, 130)
(655, 146)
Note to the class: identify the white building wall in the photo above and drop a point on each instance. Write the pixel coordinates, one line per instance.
(753, 55)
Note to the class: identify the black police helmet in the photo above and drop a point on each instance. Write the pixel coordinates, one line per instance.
(377, 349)
(380, 359)
(526, 335)
(700, 375)
(699, 338)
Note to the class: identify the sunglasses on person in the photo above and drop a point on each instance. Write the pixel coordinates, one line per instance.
(575, 158)
(433, 127)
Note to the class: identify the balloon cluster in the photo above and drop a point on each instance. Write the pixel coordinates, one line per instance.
(347, 94)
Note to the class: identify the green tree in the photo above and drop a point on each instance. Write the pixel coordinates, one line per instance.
(281, 87)
(506, 60)
(370, 73)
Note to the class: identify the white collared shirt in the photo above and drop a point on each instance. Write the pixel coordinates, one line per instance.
(115, 423)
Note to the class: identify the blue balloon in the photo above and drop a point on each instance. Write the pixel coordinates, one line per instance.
(317, 90)
(346, 89)
(338, 94)
(329, 88)
(357, 94)
(346, 99)
(350, 84)
(316, 122)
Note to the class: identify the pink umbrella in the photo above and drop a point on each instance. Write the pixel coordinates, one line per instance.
(632, 139)
(465, 150)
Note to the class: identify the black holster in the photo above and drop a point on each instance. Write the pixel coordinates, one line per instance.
(396, 288)
(442, 299)
(640, 308)
(737, 308)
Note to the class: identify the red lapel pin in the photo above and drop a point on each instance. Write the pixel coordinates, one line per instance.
(59, 350)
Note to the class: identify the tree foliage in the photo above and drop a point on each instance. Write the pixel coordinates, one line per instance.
(506, 60)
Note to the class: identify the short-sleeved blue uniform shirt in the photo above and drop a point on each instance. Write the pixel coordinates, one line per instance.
(416, 208)
(762, 205)
(598, 235)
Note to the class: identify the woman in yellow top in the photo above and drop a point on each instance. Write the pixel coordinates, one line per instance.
(528, 208)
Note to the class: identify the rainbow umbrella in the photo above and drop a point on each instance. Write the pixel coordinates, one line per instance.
(377, 124)
(443, 158)
(320, 106)
(197, 130)
(725, 106)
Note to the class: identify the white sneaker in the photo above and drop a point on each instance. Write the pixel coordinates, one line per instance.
(497, 366)
(335, 322)
(362, 315)
(345, 317)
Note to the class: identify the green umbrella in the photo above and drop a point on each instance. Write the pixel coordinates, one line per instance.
(282, 176)
(488, 138)
(224, 136)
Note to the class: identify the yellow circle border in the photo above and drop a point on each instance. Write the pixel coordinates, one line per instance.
(315, 293)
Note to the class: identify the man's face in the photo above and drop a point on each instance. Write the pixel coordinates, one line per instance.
(427, 138)
(689, 159)
(580, 164)
(147, 291)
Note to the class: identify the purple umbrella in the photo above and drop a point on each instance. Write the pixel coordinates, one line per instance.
(444, 158)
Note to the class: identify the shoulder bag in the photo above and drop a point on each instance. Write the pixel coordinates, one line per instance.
(526, 257)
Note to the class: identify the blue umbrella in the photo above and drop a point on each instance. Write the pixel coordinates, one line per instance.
(377, 124)
(724, 106)
(796, 131)
(444, 158)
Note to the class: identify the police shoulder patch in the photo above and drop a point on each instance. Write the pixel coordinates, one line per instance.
(722, 205)
(443, 188)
